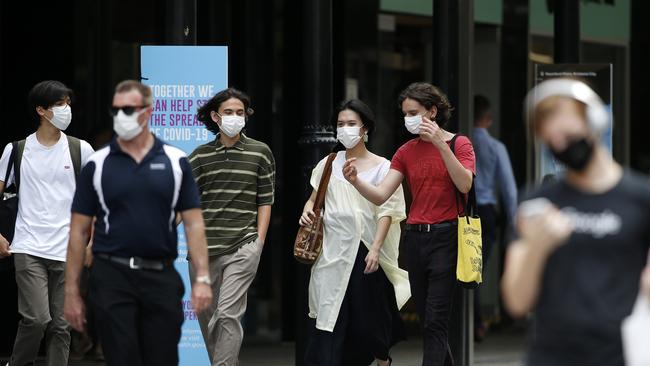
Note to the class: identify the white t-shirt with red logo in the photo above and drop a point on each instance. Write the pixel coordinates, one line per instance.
(47, 185)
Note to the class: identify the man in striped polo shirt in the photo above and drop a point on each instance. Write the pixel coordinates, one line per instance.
(235, 175)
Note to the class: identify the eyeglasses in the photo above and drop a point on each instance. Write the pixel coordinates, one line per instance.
(128, 110)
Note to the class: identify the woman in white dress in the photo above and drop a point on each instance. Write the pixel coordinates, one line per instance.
(356, 287)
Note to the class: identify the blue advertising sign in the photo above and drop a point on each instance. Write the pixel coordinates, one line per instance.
(182, 78)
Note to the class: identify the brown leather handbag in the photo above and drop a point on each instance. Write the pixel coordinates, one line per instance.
(309, 241)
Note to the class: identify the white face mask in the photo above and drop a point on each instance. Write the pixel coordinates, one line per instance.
(232, 125)
(348, 136)
(61, 117)
(413, 123)
(127, 127)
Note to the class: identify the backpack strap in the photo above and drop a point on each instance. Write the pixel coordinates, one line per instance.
(452, 143)
(10, 166)
(459, 197)
(19, 147)
(74, 145)
(469, 205)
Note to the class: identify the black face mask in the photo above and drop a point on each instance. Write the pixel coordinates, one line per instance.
(576, 155)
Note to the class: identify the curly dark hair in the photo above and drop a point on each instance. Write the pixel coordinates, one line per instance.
(203, 114)
(428, 95)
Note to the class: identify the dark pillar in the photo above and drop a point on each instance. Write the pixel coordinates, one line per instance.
(639, 149)
(453, 42)
(514, 84)
(93, 84)
(180, 22)
(316, 138)
(567, 31)
(514, 87)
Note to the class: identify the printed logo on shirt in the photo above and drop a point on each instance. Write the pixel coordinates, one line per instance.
(157, 166)
(598, 225)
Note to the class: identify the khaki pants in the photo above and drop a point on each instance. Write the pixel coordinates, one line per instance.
(231, 275)
(40, 301)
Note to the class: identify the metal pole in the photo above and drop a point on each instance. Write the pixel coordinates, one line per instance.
(180, 22)
(315, 140)
(453, 43)
(567, 31)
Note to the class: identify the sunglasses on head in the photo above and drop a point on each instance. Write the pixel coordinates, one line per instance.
(128, 110)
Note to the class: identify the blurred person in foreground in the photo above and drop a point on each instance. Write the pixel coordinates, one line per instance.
(583, 239)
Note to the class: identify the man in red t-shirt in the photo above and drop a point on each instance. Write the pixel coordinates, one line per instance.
(434, 173)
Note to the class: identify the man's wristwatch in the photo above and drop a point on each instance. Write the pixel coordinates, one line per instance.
(203, 279)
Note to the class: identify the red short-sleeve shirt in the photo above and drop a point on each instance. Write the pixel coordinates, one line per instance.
(434, 193)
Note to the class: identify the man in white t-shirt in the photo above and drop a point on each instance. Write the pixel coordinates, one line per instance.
(47, 162)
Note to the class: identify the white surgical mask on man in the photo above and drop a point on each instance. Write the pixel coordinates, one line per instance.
(413, 123)
(349, 136)
(232, 125)
(127, 126)
(61, 116)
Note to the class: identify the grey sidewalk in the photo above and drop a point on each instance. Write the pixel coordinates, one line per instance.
(499, 349)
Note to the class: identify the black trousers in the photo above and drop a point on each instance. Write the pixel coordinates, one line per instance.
(138, 313)
(368, 324)
(431, 259)
(488, 216)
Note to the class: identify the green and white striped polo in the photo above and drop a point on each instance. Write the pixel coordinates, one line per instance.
(233, 182)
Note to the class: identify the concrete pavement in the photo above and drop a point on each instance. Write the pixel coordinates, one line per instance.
(499, 349)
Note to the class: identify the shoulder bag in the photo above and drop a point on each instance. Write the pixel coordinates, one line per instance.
(309, 241)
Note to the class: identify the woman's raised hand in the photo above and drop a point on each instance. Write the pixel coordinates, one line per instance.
(350, 171)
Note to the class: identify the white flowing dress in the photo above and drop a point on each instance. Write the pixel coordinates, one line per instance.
(348, 220)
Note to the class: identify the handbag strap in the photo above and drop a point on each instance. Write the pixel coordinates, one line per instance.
(324, 182)
(471, 207)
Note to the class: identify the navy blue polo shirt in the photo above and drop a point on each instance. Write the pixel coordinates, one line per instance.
(136, 204)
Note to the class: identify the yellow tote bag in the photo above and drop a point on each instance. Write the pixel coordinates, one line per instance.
(469, 267)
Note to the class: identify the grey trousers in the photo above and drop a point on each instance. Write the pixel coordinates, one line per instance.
(40, 302)
(231, 275)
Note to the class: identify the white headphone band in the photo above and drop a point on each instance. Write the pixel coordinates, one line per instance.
(597, 115)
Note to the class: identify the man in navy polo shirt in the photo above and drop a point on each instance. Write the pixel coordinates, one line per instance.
(135, 187)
